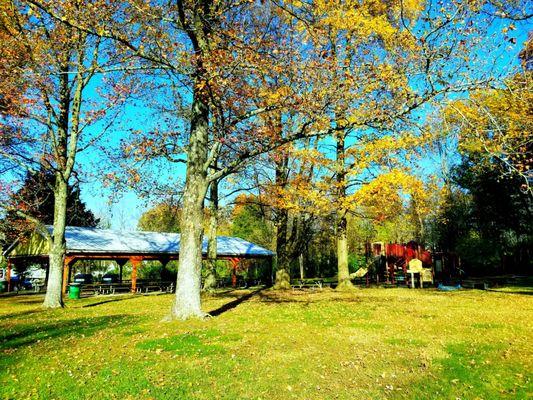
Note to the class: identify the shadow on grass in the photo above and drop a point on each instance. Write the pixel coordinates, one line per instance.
(20, 294)
(309, 296)
(28, 334)
(98, 303)
(10, 316)
(124, 297)
(26, 299)
(234, 303)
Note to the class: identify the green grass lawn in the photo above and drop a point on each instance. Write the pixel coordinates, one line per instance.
(370, 344)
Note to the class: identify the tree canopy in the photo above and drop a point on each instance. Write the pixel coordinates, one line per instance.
(35, 198)
(163, 217)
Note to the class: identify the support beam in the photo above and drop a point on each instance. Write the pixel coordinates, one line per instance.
(234, 265)
(135, 263)
(163, 273)
(67, 263)
(120, 262)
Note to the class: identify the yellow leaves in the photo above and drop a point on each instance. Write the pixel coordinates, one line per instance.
(384, 197)
(299, 194)
(511, 27)
(363, 20)
(496, 123)
(311, 156)
(411, 8)
(384, 77)
(276, 95)
(387, 149)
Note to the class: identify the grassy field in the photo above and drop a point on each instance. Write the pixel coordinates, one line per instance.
(370, 344)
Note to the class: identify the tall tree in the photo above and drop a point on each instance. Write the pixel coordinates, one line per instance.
(49, 118)
(220, 51)
(36, 199)
(383, 41)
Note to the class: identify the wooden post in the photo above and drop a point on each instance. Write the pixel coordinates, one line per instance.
(135, 263)
(8, 275)
(234, 265)
(67, 263)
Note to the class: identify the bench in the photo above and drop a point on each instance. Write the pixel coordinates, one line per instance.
(146, 287)
(315, 283)
(105, 288)
(115, 288)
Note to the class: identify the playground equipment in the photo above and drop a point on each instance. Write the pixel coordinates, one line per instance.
(391, 263)
(424, 274)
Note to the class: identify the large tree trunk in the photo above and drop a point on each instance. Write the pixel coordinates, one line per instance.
(64, 145)
(211, 277)
(187, 303)
(53, 297)
(283, 279)
(342, 255)
(343, 272)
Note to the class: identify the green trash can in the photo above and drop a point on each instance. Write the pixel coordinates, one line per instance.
(3, 286)
(74, 291)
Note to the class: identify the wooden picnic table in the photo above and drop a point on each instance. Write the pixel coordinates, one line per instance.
(125, 287)
(316, 283)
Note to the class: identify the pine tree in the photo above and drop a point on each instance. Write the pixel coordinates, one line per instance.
(36, 199)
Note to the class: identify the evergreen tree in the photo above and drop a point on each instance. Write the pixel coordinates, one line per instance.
(35, 198)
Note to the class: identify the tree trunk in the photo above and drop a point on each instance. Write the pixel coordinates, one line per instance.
(283, 279)
(343, 272)
(187, 302)
(53, 297)
(211, 277)
(342, 255)
(301, 262)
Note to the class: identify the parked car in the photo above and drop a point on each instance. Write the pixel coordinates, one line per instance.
(110, 278)
(83, 278)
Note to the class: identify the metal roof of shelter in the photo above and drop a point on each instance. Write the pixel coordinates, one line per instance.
(107, 242)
